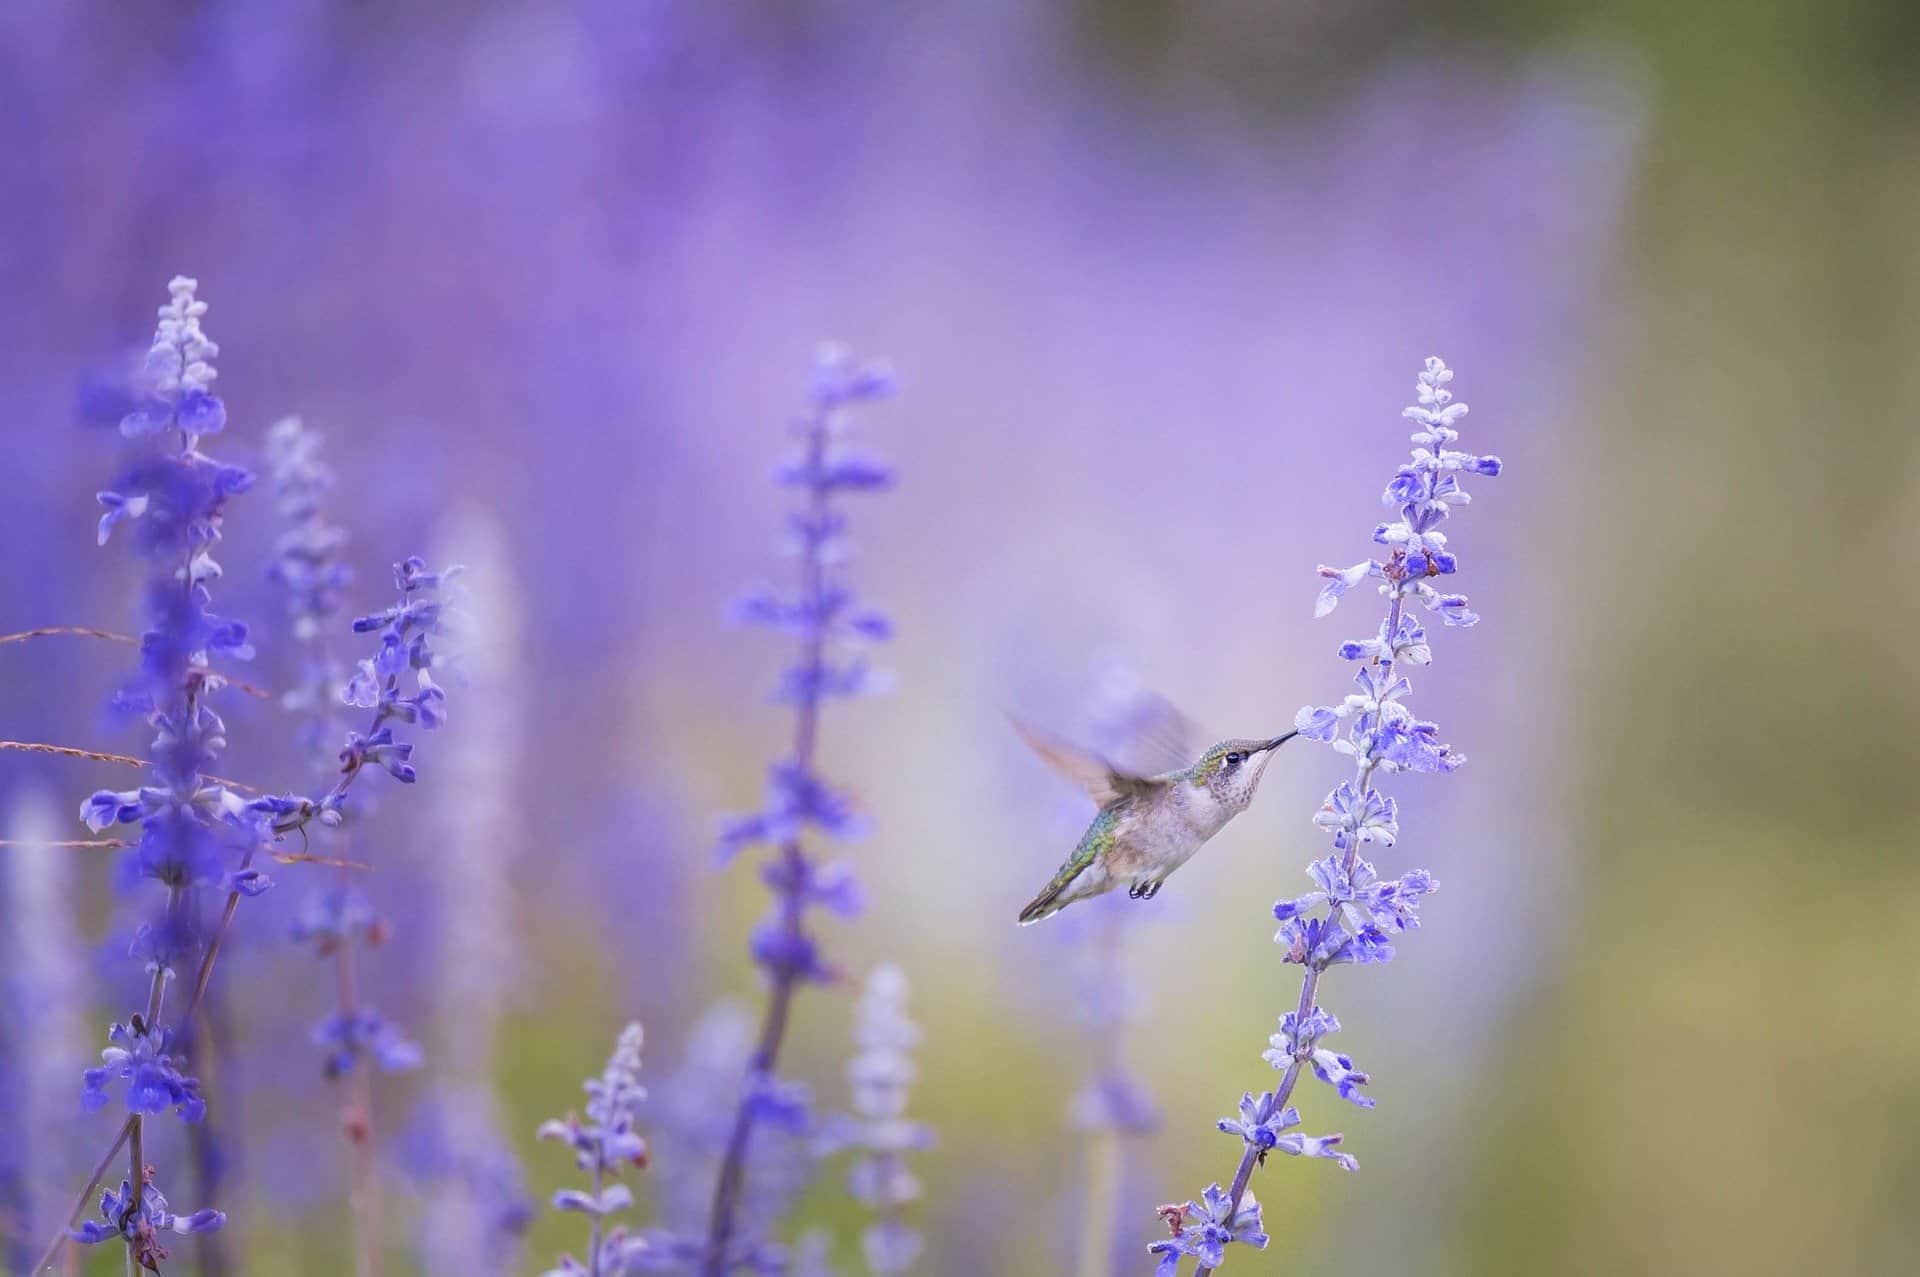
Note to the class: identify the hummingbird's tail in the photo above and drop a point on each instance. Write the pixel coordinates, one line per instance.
(1044, 905)
(1054, 897)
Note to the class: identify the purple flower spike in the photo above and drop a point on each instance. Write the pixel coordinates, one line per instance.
(196, 838)
(605, 1142)
(831, 627)
(1352, 916)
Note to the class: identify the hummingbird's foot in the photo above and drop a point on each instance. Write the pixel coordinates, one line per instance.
(1137, 890)
(1152, 889)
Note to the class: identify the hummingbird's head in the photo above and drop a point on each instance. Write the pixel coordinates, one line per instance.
(1231, 770)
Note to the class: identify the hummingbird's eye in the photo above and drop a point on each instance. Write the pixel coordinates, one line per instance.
(1233, 759)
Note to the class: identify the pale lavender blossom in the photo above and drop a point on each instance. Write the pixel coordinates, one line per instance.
(1374, 728)
(831, 627)
(878, 1130)
(605, 1141)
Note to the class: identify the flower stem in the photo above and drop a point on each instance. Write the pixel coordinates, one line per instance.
(593, 1228)
(1310, 982)
(356, 1122)
(766, 1054)
(138, 1166)
(95, 756)
(130, 1129)
(773, 1027)
(87, 631)
(1250, 1156)
(1096, 1218)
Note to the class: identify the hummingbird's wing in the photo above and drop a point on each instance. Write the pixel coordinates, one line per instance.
(1106, 783)
(1148, 734)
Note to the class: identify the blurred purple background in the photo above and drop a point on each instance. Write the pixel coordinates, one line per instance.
(547, 277)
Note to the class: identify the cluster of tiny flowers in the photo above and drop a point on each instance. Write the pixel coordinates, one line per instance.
(193, 832)
(477, 1206)
(308, 565)
(604, 1143)
(175, 496)
(175, 386)
(1204, 1228)
(881, 1072)
(140, 1221)
(138, 1057)
(824, 617)
(830, 624)
(1354, 913)
(406, 633)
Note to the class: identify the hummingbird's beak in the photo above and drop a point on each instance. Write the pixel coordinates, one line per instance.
(1278, 741)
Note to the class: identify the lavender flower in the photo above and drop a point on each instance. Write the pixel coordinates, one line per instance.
(477, 1204)
(604, 1144)
(406, 645)
(309, 568)
(140, 1223)
(138, 1056)
(308, 565)
(1373, 727)
(882, 1071)
(1204, 1228)
(830, 623)
(190, 827)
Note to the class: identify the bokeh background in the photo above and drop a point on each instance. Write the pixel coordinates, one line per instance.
(1156, 277)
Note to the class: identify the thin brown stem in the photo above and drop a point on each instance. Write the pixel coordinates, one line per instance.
(84, 631)
(773, 1028)
(110, 844)
(137, 1163)
(125, 760)
(84, 1196)
(68, 751)
(210, 1036)
(356, 1122)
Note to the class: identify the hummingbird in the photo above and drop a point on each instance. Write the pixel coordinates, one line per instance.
(1147, 826)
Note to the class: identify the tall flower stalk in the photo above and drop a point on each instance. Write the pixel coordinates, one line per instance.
(309, 565)
(879, 1131)
(824, 617)
(605, 1142)
(1353, 913)
(196, 833)
(477, 1205)
(174, 496)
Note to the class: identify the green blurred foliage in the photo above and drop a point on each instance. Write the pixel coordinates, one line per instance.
(1722, 1075)
(1720, 1071)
